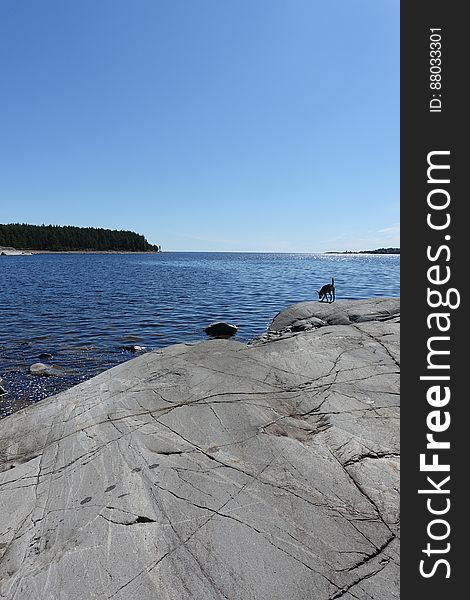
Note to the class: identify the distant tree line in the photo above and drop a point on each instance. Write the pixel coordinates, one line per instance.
(56, 237)
(381, 251)
(378, 251)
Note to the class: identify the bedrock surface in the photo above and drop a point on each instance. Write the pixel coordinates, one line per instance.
(215, 470)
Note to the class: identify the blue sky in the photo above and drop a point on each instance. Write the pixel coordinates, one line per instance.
(237, 125)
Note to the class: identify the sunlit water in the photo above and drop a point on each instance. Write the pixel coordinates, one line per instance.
(82, 308)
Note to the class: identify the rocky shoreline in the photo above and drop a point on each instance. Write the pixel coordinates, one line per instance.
(8, 251)
(216, 470)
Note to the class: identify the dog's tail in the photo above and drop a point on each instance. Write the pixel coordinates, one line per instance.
(332, 281)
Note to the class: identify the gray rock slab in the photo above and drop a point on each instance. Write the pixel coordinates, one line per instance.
(217, 470)
(342, 312)
(8, 251)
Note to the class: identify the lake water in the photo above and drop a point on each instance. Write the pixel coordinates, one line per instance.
(82, 308)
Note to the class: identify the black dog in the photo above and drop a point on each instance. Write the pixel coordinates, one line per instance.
(327, 290)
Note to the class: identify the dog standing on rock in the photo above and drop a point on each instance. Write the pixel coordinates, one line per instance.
(327, 291)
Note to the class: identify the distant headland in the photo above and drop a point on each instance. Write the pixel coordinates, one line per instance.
(56, 238)
(378, 251)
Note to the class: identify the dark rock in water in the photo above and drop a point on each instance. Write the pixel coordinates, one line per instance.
(132, 348)
(46, 356)
(221, 329)
(43, 370)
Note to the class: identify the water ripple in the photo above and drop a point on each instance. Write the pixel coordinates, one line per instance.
(66, 303)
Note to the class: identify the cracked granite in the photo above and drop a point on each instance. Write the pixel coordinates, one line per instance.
(218, 470)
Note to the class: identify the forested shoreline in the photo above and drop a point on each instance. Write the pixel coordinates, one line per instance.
(68, 238)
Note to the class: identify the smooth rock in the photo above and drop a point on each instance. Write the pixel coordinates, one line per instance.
(220, 329)
(7, 251)
(42, 370)
(39, 369)
(46, 356)
(214, 471)
(342, 312)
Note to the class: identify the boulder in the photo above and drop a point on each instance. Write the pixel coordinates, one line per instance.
(221, 329)
(42, 370)
(39, 369)
(214, 470)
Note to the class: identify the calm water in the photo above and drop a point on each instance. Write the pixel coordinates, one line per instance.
(82, 308)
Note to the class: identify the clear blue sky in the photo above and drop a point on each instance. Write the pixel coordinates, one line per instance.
(264, 125)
